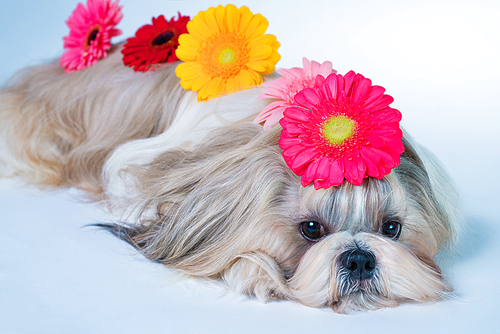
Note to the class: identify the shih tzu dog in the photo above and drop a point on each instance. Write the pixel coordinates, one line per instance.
(200, 187)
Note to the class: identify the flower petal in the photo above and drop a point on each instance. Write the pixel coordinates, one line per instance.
(309, 174)
(260, 52)
(232, 18)
(297, 114)
(257, 26)
(337, 172)
(359, 94)
(302, 160)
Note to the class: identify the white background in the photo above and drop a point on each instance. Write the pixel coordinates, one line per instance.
(439, 59)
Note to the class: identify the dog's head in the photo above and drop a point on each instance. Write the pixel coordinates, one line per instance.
(231, 209)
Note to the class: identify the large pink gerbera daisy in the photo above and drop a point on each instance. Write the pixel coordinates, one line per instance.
(91, 30)
(284, 89)
(342, 128)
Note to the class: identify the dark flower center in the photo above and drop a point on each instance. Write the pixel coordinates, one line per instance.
(163, 38)
(92, 36)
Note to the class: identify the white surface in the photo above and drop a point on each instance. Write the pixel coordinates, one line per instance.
(439, 59)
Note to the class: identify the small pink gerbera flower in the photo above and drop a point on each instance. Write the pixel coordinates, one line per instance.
(284, 89)
(91, 30)
(342, 128)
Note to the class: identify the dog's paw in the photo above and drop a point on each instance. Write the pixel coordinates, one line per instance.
(257, 274)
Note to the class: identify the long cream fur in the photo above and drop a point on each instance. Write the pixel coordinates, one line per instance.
(201, 188)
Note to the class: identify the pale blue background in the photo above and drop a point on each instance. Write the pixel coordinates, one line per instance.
(441, 62)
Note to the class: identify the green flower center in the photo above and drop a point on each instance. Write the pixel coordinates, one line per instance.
(338, 128)
(227, 56)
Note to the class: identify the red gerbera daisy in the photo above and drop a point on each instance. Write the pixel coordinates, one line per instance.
(342, 128)
(91, 29)
(154, 43)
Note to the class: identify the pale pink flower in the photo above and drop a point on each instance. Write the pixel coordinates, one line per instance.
(284, 89)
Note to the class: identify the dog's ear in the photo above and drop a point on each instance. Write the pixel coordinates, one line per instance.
(253, 273)
(203, 208)
(431, 190)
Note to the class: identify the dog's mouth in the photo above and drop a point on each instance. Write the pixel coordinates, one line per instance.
(354, 293)
(361, 300)
(348, 284)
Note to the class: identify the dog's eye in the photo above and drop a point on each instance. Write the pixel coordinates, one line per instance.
(312, 230)
(391, 229)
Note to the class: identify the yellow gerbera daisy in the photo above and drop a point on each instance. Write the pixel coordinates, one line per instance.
(225, 50)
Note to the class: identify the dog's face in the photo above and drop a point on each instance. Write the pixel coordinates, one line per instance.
(369, 247)
(231, 209)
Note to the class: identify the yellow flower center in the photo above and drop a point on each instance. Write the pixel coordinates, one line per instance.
(224, 55)
(227, 56)
(338, 128)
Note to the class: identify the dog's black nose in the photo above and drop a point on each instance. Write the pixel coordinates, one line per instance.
(360, 263)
